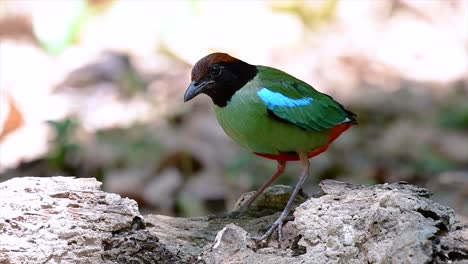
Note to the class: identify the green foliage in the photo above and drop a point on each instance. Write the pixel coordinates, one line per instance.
(311, 13)
(186, 206)
(195, 6)
(454, 112)
(435, 164)
(135, 145)
(130, 82)
(65, 31)
(64, 147)
(432, 162)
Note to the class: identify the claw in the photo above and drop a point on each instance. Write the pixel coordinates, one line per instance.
(278, 224)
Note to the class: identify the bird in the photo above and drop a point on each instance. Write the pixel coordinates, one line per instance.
(270, 113)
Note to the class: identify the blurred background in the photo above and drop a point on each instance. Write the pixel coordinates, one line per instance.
(94, 88)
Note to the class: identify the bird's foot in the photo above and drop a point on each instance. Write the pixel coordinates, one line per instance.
(277, 225)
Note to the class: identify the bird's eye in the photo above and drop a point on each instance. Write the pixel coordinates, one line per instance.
(215, 70)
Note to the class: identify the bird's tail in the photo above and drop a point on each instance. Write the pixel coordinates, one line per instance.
(352, 117)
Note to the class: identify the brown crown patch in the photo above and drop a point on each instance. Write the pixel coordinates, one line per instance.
(202, 67)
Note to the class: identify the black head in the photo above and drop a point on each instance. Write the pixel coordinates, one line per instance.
(219, 76)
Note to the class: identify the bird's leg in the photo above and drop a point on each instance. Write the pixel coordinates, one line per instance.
(278, 224)
(279, 171)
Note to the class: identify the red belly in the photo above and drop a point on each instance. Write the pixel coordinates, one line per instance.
(335, 132)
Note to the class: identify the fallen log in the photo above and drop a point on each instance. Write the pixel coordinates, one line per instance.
(70, 220)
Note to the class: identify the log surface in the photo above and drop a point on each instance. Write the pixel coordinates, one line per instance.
(69, 220)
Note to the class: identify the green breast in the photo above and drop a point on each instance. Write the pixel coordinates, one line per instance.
(246, 121)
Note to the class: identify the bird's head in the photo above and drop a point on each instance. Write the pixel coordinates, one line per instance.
(219, 76)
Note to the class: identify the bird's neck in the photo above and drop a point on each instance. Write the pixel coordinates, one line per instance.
(241, 74)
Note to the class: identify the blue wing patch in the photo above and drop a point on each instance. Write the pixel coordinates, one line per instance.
(305, 112)
(274, 99)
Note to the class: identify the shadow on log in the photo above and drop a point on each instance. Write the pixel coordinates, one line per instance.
(68, 220)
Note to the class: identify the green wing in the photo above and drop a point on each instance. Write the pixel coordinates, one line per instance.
(291, 100)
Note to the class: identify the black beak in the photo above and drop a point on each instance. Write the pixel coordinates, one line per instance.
(194, 89)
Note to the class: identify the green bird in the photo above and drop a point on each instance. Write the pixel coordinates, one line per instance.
(270, 113)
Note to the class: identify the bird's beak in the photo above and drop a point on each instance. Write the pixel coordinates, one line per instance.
(194, 89)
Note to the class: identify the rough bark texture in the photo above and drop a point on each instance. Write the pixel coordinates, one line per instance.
(68, 220)
(60, 219)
